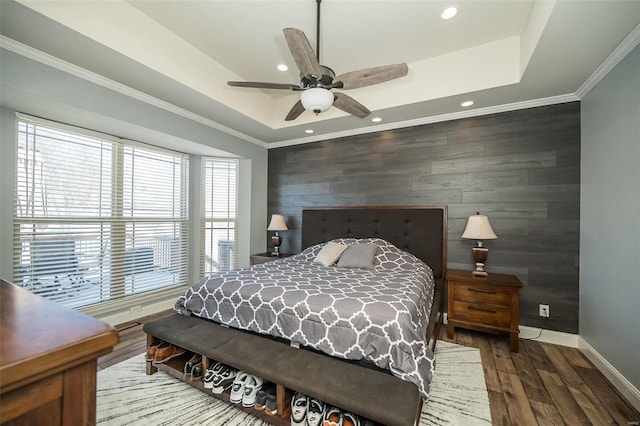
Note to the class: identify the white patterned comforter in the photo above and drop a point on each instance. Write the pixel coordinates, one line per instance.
(379, 314)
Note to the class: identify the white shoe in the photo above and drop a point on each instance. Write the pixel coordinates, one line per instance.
(237, 388)
(251, 387)
(299, 404)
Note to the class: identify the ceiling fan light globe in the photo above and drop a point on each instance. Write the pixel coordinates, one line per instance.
(316, 100)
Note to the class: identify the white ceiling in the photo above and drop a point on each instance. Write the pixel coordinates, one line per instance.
(183, 52)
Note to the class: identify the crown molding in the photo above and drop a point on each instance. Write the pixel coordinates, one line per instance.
(560, 99)
(59, 64)
(618, 54)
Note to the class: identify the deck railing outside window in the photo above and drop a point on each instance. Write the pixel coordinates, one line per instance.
(96, 218)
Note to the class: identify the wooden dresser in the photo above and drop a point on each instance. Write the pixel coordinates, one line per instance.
(484, 304)
(48, 361)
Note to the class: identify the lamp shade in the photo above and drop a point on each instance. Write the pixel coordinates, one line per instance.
(316, 100)
(479, 228)
(277, 223)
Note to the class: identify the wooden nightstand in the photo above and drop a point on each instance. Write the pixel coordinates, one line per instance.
(266, 257)
(484, 304)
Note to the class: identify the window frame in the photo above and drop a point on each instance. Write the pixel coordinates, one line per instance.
(210, 221)
(119, 296)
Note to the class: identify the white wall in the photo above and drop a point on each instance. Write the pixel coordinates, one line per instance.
(33, 88)
(610, 218)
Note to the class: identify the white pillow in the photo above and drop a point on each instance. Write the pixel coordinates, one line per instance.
(330, 253)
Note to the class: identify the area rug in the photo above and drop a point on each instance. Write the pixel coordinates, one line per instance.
(127, 396)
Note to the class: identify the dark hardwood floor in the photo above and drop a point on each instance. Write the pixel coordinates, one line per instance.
(543, 384)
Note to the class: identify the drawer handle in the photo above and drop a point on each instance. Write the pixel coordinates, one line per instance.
(481, 290)
(476, 308)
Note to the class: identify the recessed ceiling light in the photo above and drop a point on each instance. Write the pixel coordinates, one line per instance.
(308, 131)
(466, 104)
(449, 12)
(376, 119)
(282, 67)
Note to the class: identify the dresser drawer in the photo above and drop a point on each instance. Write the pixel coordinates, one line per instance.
(482, 314)
(478, 293)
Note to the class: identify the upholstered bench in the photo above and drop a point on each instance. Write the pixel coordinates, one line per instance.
(368, 392)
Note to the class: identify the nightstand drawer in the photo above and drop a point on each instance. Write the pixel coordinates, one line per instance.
(478, 293)
(482, 314)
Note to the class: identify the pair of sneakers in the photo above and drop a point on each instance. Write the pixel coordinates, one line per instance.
(306, 411)
(219, 378)
(244, 389)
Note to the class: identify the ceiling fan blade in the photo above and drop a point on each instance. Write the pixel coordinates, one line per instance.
(295, 111)
(350, 105)
(302, 52)
(370, 76)
(260, 85)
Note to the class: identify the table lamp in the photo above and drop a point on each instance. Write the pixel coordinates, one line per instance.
(277, 224)
(478, 228)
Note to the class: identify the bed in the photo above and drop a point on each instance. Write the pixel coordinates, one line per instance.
(386, 316)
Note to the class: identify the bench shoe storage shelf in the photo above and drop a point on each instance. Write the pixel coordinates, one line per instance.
(174, 367)
(365, 391)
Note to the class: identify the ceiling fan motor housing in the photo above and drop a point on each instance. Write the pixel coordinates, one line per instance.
(316, 99)
(325, 80)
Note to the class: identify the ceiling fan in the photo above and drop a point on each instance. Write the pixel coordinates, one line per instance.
(317, 80)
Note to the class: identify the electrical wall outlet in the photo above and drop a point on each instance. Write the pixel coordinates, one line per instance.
(135, 309)
(544, 311)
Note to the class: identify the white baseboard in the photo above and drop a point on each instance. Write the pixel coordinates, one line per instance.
(543, 335)
(628, 390)
(549, 336)
(142, 311)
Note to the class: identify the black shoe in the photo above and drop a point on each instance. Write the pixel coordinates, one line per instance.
(195, 360)
(196, 371)
(212, 373)
(267, 389)
(271, 406)
(223, 380)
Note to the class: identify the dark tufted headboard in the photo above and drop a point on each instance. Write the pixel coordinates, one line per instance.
(421, 231)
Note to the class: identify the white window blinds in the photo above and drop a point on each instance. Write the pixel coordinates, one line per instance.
(219, 215)
(96, 218)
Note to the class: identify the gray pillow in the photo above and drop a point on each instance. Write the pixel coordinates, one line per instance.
(358, 256)
(330, 253)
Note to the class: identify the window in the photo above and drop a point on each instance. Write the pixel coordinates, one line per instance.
(219, 216)
(96, 218)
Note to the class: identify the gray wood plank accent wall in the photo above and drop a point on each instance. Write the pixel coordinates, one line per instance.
(521, 168)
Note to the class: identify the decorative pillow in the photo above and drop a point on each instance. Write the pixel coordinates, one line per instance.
(358, 256)
(330, 253)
